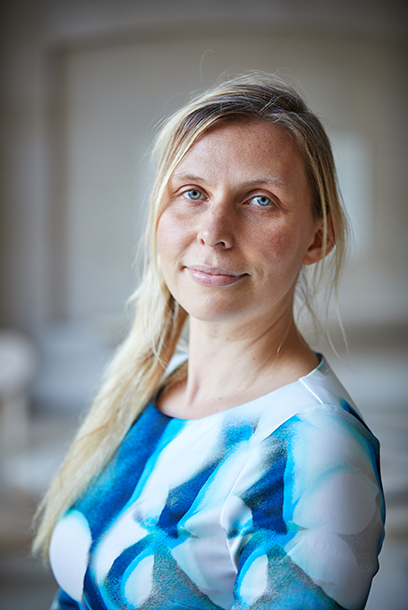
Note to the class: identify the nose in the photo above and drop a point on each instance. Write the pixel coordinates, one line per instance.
(216, 227)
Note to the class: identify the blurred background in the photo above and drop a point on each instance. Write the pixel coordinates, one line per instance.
(83, 84)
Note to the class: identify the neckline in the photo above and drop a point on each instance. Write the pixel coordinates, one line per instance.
(319, 368)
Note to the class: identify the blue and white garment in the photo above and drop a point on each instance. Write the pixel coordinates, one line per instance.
(274, 504)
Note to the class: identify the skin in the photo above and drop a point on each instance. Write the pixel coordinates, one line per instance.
(235, 229)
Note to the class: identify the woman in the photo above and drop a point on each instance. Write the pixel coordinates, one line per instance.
(249, 480)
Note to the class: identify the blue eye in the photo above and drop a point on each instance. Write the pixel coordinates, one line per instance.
(193, 194)
(261, 200)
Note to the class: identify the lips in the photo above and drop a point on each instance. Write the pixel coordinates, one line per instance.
(214, 276)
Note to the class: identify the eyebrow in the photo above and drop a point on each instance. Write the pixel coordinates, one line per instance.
(248, 183)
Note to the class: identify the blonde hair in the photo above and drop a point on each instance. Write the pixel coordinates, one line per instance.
(138, 366)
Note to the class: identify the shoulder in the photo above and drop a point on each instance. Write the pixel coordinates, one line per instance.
(314, 428)
(312, 454)
(318, 398)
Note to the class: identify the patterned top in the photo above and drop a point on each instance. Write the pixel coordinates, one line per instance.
(274, 504)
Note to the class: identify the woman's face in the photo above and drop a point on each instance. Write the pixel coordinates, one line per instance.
(237, 225)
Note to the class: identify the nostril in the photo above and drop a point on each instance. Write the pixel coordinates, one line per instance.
(216, 231)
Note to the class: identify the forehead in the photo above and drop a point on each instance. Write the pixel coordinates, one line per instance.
(249, 147)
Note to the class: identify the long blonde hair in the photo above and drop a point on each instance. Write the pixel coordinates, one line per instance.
(138, 366)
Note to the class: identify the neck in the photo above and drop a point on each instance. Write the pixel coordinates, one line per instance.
(230, 364)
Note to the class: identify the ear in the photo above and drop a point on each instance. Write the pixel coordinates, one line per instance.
(316, 252)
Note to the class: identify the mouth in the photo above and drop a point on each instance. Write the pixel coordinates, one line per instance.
(214, 276)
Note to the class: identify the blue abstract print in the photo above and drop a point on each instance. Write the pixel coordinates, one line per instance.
(274, 504)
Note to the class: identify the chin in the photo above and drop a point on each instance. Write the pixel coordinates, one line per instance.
(211, 310)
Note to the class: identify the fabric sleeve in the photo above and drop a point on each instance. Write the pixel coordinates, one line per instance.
(62, 601)
(305, 519)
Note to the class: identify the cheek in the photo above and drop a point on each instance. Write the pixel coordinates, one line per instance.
(172, 242)
(162, 238)
(278, 244)
(167, 237)
(284, 249)
(166, 254)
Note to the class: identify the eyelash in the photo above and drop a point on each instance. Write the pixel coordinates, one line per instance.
(186, 193)
(270, 202)
(200, 195)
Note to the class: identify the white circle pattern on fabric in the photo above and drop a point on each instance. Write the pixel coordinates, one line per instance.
(255, 581)
(73, 535)
(331, 563)
(139, 583)
(344, 499)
